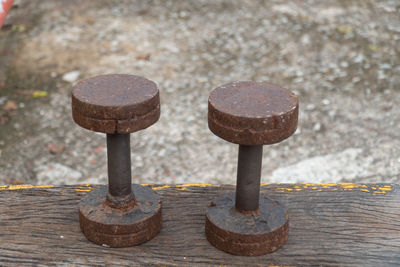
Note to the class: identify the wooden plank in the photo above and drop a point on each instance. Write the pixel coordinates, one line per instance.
(336, 224)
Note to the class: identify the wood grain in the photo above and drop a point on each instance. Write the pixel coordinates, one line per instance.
(343, 224)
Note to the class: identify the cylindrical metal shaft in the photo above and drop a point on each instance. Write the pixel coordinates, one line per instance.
(248, 177)
(119, 165)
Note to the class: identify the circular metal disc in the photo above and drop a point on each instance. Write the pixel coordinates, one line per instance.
(252, 113)
(115, 103)
(243, 234)
(116, 227)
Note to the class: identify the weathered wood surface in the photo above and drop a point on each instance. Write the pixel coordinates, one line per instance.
(343, 224)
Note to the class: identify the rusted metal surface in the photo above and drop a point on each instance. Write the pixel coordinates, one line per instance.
(119, 167)
(121, 214)
(115, 103)
(252, 113)
(120, 227)
(248, 178)
(246, 234)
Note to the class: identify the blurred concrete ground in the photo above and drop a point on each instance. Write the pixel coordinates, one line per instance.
(340, 57)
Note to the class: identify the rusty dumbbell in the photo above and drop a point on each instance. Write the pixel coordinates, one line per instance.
(122, 214)
(251, 114)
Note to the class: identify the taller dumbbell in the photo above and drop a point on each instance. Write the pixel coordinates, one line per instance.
(251, 114)
(122, 214)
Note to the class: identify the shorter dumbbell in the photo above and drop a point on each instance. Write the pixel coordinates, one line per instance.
(251, 114)
(122, 214)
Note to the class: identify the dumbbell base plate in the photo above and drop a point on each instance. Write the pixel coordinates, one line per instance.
(246, 234)
(120, 227)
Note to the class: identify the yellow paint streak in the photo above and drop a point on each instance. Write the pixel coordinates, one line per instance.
(183, 186)
(285, 189)
(332, 187)
(24, 186)
(328, 185)
(194, 185)
(161, 187)
(385, 188)
(84, 188)
(375, 190)
(351, 186)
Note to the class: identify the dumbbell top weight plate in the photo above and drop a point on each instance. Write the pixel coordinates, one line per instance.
(252, 113)
(115, 103)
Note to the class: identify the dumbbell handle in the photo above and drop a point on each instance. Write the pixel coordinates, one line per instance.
(248, 178)
(119, 167)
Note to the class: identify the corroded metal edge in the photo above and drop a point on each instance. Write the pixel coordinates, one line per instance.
(233, 243)
(123, 226)
(111, 126)
(252, 113)
(246, 234)
(253, 131)
(89, 93)
(148, 230)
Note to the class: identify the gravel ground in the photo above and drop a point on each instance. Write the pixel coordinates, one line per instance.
(340, 57)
